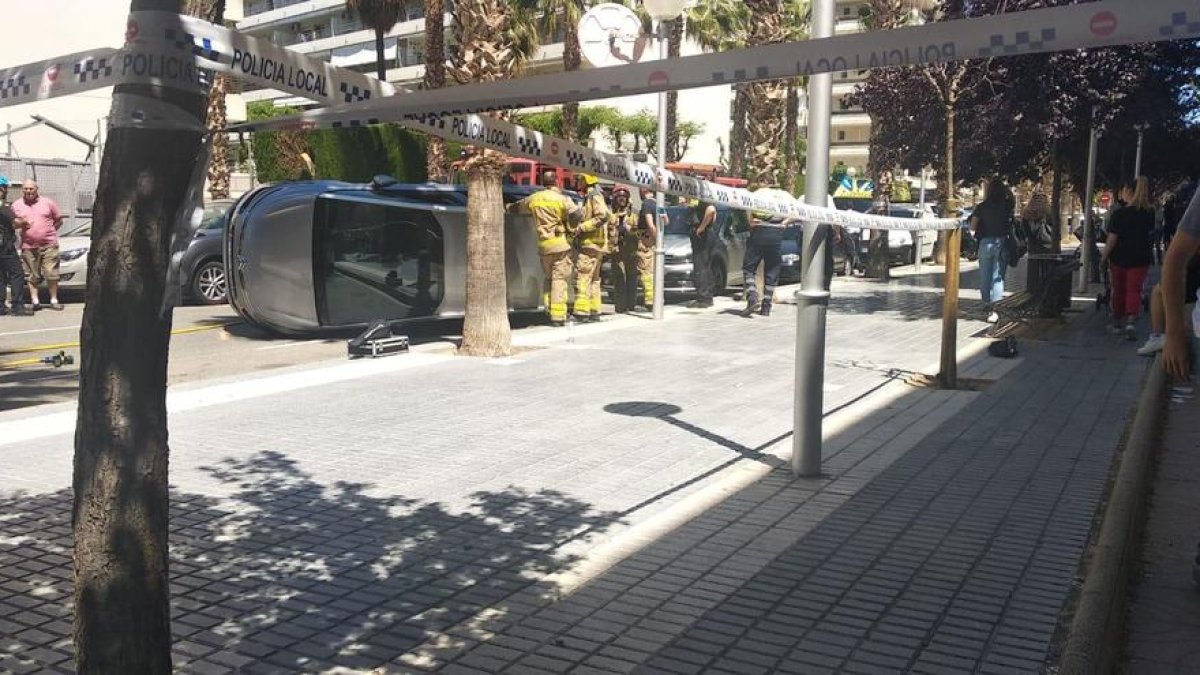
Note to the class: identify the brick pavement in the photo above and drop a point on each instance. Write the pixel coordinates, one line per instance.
(406, 517)
(1164, 613)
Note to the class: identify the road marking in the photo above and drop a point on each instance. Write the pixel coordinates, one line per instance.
(38, 330)
(55, 424)
(72, 345)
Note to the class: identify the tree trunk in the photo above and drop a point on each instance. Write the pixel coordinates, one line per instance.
(119, 519)
(878, 255)
(674, 49)
(948, 190)
(571, 61)
(437, 165)
(737, 133)
(380, 60)
(485, 328)
(220, 166)
(1056, 188)
(790, 134)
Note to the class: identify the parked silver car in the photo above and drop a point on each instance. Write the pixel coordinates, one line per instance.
(309, 256)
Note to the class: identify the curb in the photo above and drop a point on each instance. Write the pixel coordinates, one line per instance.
(1095, 639)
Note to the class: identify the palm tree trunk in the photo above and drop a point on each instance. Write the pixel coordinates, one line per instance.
(120, 516)
(571, 61)
(674, 48)
(737, 133)
(485, 327)
(437, 165)
(220, 166)
(380, 62)
(790, 170)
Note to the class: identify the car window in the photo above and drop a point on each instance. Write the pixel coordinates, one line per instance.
(741, 221)
(376, 261)
(81, 230)
(214, 216)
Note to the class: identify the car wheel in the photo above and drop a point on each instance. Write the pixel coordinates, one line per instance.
(719, 279)
(208, 283)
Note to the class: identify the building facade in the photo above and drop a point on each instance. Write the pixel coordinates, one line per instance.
(850, 126)
(328, 29)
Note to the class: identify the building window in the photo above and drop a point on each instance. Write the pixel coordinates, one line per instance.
(841, 135)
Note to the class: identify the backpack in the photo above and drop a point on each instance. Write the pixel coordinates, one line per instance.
(1016, 244)
(1005, 349)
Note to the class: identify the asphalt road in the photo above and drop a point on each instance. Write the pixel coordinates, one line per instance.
(207, 342)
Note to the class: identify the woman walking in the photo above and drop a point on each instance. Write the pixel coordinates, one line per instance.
(991, 223)
(1129, 253)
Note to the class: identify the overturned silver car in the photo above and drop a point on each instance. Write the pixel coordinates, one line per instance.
(312, 256)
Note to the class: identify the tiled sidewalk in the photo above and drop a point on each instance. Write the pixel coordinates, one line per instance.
(593, 504)
(1164, 617)
(958, 557)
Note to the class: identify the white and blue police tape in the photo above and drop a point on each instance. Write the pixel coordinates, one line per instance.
(1077, 26)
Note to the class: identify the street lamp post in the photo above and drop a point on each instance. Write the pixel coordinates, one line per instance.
(661, 11)
(813, 298)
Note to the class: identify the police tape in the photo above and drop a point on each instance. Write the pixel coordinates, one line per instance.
(180, 52)
(1077, 26)
(177, 51)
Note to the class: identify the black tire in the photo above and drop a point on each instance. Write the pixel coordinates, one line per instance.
(911, 258)
(208, 283)
(719, 279)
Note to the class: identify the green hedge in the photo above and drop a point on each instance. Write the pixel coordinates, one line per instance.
(353, 155)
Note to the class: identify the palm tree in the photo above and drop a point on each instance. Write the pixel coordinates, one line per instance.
(721, 25)
(437, 166)
(219, 164)
(767, 104)
(566, 13)
(380, 16)
(797, 18)
(493, 39)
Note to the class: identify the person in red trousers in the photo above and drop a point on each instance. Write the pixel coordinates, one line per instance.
(1129, 253)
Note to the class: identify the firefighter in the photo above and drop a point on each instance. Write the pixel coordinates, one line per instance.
(555, 216)
(591, 244)
(623, 242)
(647, 237)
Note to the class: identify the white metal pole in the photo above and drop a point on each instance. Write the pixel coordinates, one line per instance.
(1089, 195)
(812, 300)
(660, 253)
(1137, 161)
(918, 236)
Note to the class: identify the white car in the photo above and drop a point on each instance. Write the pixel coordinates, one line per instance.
(900, 242)
(73, 248)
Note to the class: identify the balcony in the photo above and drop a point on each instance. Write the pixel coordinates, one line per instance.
(279, 12)
(851, 119)
(323, 45)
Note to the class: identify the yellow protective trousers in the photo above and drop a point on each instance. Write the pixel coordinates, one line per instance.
(645, 268)
(557, 268)
(587, 283)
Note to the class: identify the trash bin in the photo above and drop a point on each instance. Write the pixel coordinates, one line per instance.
(1049, 282)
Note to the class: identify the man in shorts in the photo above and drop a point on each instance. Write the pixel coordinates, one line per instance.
(39, 244)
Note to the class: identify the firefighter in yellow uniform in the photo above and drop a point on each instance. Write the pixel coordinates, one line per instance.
(647, 237)
(623, 244)
(592, 244)
(555, 216)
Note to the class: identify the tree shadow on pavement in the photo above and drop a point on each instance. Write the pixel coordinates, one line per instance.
(292, 575)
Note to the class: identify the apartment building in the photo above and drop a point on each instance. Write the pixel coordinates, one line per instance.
(850, 126)
(328, 29)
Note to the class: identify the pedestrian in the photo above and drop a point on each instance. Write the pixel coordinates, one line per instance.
(39, 241)
(1174, 208)
(623, 240)
(991, 223)
(591, 243)
(647, 238)
(555, 216)
(1035, 220)
(762, 248)
(12, 277)
(1129, 253)
(703, 235)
